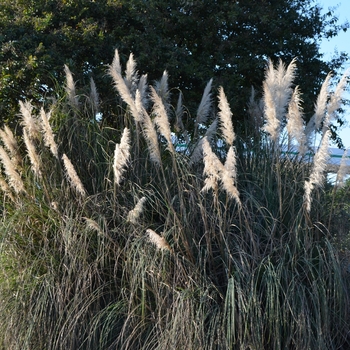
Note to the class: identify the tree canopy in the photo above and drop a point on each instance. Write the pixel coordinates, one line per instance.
(193, 40)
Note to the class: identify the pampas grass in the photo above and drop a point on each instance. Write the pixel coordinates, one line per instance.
(162, 88)
(225, 118)
(342, 171)
(124, 86)
(212, 167)
(226, 254)
(6, 189)
(28, 120)
(161, 119)
(49, 138)
(295, 124)
(121, 156)
(205, 105)
(13, 177)
(158, 240)
(142, 89)
(131, 76)
(216, 172)
(197, 153)
(321, 103)
(11, 145)
(73, 177)
(277, 93)
(318, 168)
(70, 89)
(32, 154)
(134, 214)
(151, 138)
(94, 97)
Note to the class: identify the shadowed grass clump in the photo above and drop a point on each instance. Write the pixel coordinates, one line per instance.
(161, 235)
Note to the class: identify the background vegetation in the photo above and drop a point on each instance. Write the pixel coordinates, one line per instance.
(193, 40)
(154, 237)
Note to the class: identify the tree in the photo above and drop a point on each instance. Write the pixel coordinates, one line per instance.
(194, 40)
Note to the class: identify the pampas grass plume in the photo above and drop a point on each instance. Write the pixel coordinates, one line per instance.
(93, 225)
(33, 156)
(212, 167)
(342, 172)
(11, 145)
(28, 120)
(121, 156)
(225, 117)
(6, 189)
(277, 92)
(317, 174)
(197, 153)
(122, 86)
(70, 88)
(161, 118)
(131, 73)
(142, 88)
(204, 106)
(13, 177)
(162, 89)
(151, 138)
(73, 176)
(116, 63)
(295, 124)
(94, 97)
(135, 213)
(158, 240)
(49, 139)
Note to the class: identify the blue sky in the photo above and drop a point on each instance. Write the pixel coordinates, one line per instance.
(339, 43)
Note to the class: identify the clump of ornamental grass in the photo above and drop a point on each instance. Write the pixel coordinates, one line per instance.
(124, 239)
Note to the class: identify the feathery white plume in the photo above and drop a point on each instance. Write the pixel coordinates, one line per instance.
(94, 98)
(204, 106)
(13, 177)
(225, 117)
(321, 102)
(121, 156)
(277, 93)
(336, 99)
(135, 213)
(73, 176)
(318, 167)
(295, 124)
(131, 76)
(142, 88)
(162, 89)
(161, 118)
(343, 170)
(197, 153)
(116, 63)
(151, 137)
(5, 188)
(93, 225)
(212, 167)
(216, 172)
(158, 240)
(70, 88)
(122, 87)
(33, 156)
(28, 120)
(11, 145)
(49, 139)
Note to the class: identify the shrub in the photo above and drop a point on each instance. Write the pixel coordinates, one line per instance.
(157, 236)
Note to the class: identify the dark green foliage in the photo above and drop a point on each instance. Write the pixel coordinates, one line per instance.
(193, 40)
